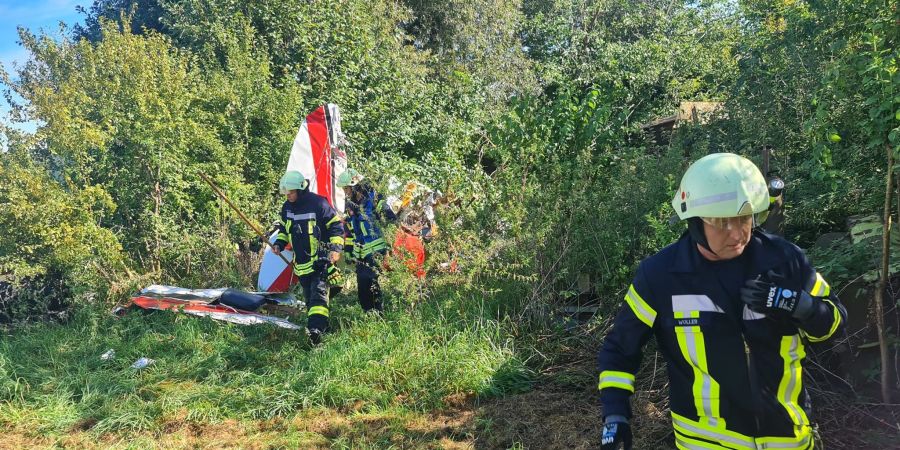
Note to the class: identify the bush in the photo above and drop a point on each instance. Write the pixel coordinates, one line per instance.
(52, 238)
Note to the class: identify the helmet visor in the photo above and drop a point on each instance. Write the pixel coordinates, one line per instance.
(731, 223)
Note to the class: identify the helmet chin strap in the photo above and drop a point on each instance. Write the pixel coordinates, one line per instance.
(695, 228)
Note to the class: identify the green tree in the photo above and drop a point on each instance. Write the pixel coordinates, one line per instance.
(119, 115)
(351, 53)
(52, 228)
(861, 94)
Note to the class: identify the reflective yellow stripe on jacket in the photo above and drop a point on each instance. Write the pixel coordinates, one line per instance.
(369, 248)
(313, 242)
(802, 441)
(705, 388)
(822, 289)
(286, 236)
(792, 353)
(621, 380)
(690, 434)
(641, 309)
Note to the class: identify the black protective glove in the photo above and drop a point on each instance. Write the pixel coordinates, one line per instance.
(320, 264)
(771, 297)
(616, 430)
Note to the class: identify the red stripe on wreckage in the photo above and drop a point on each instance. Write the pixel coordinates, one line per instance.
(284, 281)
(321, 152)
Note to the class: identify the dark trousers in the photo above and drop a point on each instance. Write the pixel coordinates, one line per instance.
(367, 282)
(315, 291)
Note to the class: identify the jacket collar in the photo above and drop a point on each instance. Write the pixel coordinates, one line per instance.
(688, 259)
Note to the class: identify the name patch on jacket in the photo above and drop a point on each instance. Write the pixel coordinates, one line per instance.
(688, 322)
(704, 319)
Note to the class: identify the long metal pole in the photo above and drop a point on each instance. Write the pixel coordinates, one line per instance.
(252, 225)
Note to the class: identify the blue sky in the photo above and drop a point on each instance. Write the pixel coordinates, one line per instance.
(34, 15)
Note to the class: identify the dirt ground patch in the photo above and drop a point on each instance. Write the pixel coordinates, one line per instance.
(564, 413)
(540, 419)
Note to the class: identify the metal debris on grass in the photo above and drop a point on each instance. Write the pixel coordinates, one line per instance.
(142, 363)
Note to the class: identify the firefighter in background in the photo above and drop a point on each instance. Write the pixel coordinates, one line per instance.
(315, 232)
(365, 208)
(732, 309)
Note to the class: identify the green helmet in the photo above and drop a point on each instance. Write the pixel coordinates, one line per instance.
(291, 180)
(721, 185)
(349, 177)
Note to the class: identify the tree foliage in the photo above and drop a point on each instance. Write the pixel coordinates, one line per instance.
(807, 87)
(528, 112)
(56, 231)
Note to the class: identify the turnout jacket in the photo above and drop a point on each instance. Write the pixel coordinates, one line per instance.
(735, 375)
(304, 224)
(365, 236)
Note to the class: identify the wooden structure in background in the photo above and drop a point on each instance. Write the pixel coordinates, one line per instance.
(688, 112)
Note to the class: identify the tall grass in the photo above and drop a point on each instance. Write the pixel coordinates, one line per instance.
(53, 381)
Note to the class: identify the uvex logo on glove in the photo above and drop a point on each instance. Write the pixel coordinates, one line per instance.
(770, 297)
(781, 298)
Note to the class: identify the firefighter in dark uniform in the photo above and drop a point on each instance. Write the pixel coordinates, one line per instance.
(314, 230)
(732, 310)
(365, 240)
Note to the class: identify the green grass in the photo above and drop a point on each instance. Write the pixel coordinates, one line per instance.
(52, 380)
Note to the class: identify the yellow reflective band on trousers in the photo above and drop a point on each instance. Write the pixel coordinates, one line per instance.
(791, 384)
(621, 380)
(641, 309)
(302, 269)
(705, 388)
(320, 310)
